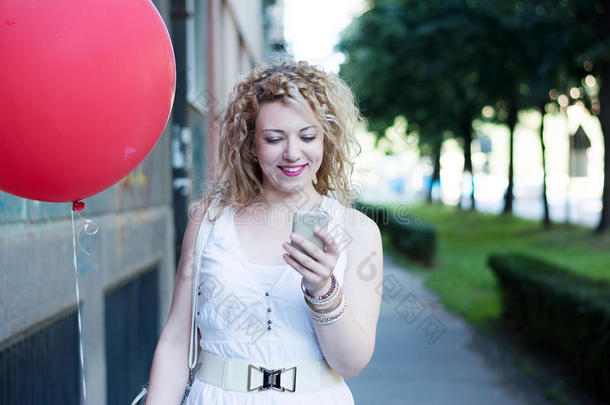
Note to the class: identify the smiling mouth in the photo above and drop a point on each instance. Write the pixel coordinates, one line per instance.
(292, 170)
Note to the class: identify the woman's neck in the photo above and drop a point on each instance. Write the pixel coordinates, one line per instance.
(300, 200)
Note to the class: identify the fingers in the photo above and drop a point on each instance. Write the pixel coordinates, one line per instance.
(329, 242)
(310, 277)
(305, 272)
(303, 260)
(316, 266)
(328, 257)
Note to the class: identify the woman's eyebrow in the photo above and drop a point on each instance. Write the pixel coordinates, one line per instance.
(281, 131)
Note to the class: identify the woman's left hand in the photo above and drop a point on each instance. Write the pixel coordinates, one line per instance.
(316, 266)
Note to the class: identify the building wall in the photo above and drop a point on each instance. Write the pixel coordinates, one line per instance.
(37, 276)
(235, 35)
(211, 52)
(140, 220)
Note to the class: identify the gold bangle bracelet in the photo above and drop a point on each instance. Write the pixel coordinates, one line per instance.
(322, 315)
(332, 319)
(323, 310)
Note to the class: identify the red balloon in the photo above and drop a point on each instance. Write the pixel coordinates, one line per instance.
(86, 88)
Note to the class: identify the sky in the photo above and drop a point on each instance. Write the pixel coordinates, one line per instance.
(312, 27)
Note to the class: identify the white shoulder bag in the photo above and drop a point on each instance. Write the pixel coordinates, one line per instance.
(202, 237)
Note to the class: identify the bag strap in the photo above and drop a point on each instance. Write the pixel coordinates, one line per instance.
(202, 237)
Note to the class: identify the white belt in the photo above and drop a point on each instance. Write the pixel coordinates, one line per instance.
(240, 375)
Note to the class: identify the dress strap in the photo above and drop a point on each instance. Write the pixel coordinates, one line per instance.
(205, 228)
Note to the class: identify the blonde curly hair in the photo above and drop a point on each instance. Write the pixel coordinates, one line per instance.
(331, 102)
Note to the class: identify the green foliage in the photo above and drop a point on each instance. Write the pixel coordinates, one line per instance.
(430, 61)
(586, 21)
(461, 275)
(409, 237)
(437, 62)
(418, 243)
(561, 310)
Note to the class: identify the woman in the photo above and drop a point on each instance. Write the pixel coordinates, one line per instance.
(277, 325)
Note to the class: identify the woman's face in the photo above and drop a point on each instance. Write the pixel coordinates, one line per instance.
(288, 142)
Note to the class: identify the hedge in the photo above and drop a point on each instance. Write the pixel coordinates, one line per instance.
(567, 313)
(417, 241)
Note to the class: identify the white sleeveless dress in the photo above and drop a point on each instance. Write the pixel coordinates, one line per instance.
(234, 319)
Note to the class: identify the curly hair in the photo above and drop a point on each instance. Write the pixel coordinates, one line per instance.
(331, 102)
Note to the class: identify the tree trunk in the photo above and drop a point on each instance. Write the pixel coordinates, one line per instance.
(604, 118)
(467, 134)
(436, 173)
(468, 157)
(546, 219)
(512, 123)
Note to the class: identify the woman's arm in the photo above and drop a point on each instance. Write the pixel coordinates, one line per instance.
(348, 343)
(170, 370)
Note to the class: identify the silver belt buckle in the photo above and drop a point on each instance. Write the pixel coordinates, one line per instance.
(271, 379)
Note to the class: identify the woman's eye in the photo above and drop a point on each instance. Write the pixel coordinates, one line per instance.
(304, 138)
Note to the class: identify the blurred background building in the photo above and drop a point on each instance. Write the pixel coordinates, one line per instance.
(127, 272)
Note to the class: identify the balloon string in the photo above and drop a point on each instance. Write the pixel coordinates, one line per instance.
(78, 207)
(89, 227)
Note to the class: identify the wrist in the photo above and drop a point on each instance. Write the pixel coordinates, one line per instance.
(327, 306)
(320, 291)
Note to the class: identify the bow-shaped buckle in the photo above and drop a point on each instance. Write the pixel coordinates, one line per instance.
(272, 379)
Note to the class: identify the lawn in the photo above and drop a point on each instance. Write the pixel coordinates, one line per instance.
(461, 277)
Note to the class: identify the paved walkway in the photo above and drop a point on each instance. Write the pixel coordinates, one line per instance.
(426, 355)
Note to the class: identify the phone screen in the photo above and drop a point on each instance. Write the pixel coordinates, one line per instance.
(304, 222)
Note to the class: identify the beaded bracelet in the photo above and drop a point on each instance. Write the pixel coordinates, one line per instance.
(330, 319)
(324, 305)
(333, 284)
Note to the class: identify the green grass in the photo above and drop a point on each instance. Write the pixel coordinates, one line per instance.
(461, 277)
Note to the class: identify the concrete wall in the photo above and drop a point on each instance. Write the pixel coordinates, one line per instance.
(235, 44)
(219, 40)
(135, 233)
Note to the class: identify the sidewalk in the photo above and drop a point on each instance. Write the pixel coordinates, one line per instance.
(426, 355)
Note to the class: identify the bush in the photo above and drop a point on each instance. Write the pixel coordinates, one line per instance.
(416, 241)
(563, 311)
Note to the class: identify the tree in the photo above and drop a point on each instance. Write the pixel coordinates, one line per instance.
(538, 59)
(543, 43)
(442, 60)
(587, 22)
(401, 59)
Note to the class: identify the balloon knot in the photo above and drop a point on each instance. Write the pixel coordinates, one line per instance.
(78, 205)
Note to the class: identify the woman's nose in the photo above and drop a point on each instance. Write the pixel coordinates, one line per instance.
(290, 150)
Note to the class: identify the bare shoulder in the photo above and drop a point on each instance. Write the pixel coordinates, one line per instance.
(362, 234)
(357, 223)
(198, 209)
(195, 217)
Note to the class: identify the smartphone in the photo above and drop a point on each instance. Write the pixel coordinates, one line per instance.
(304, 222)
